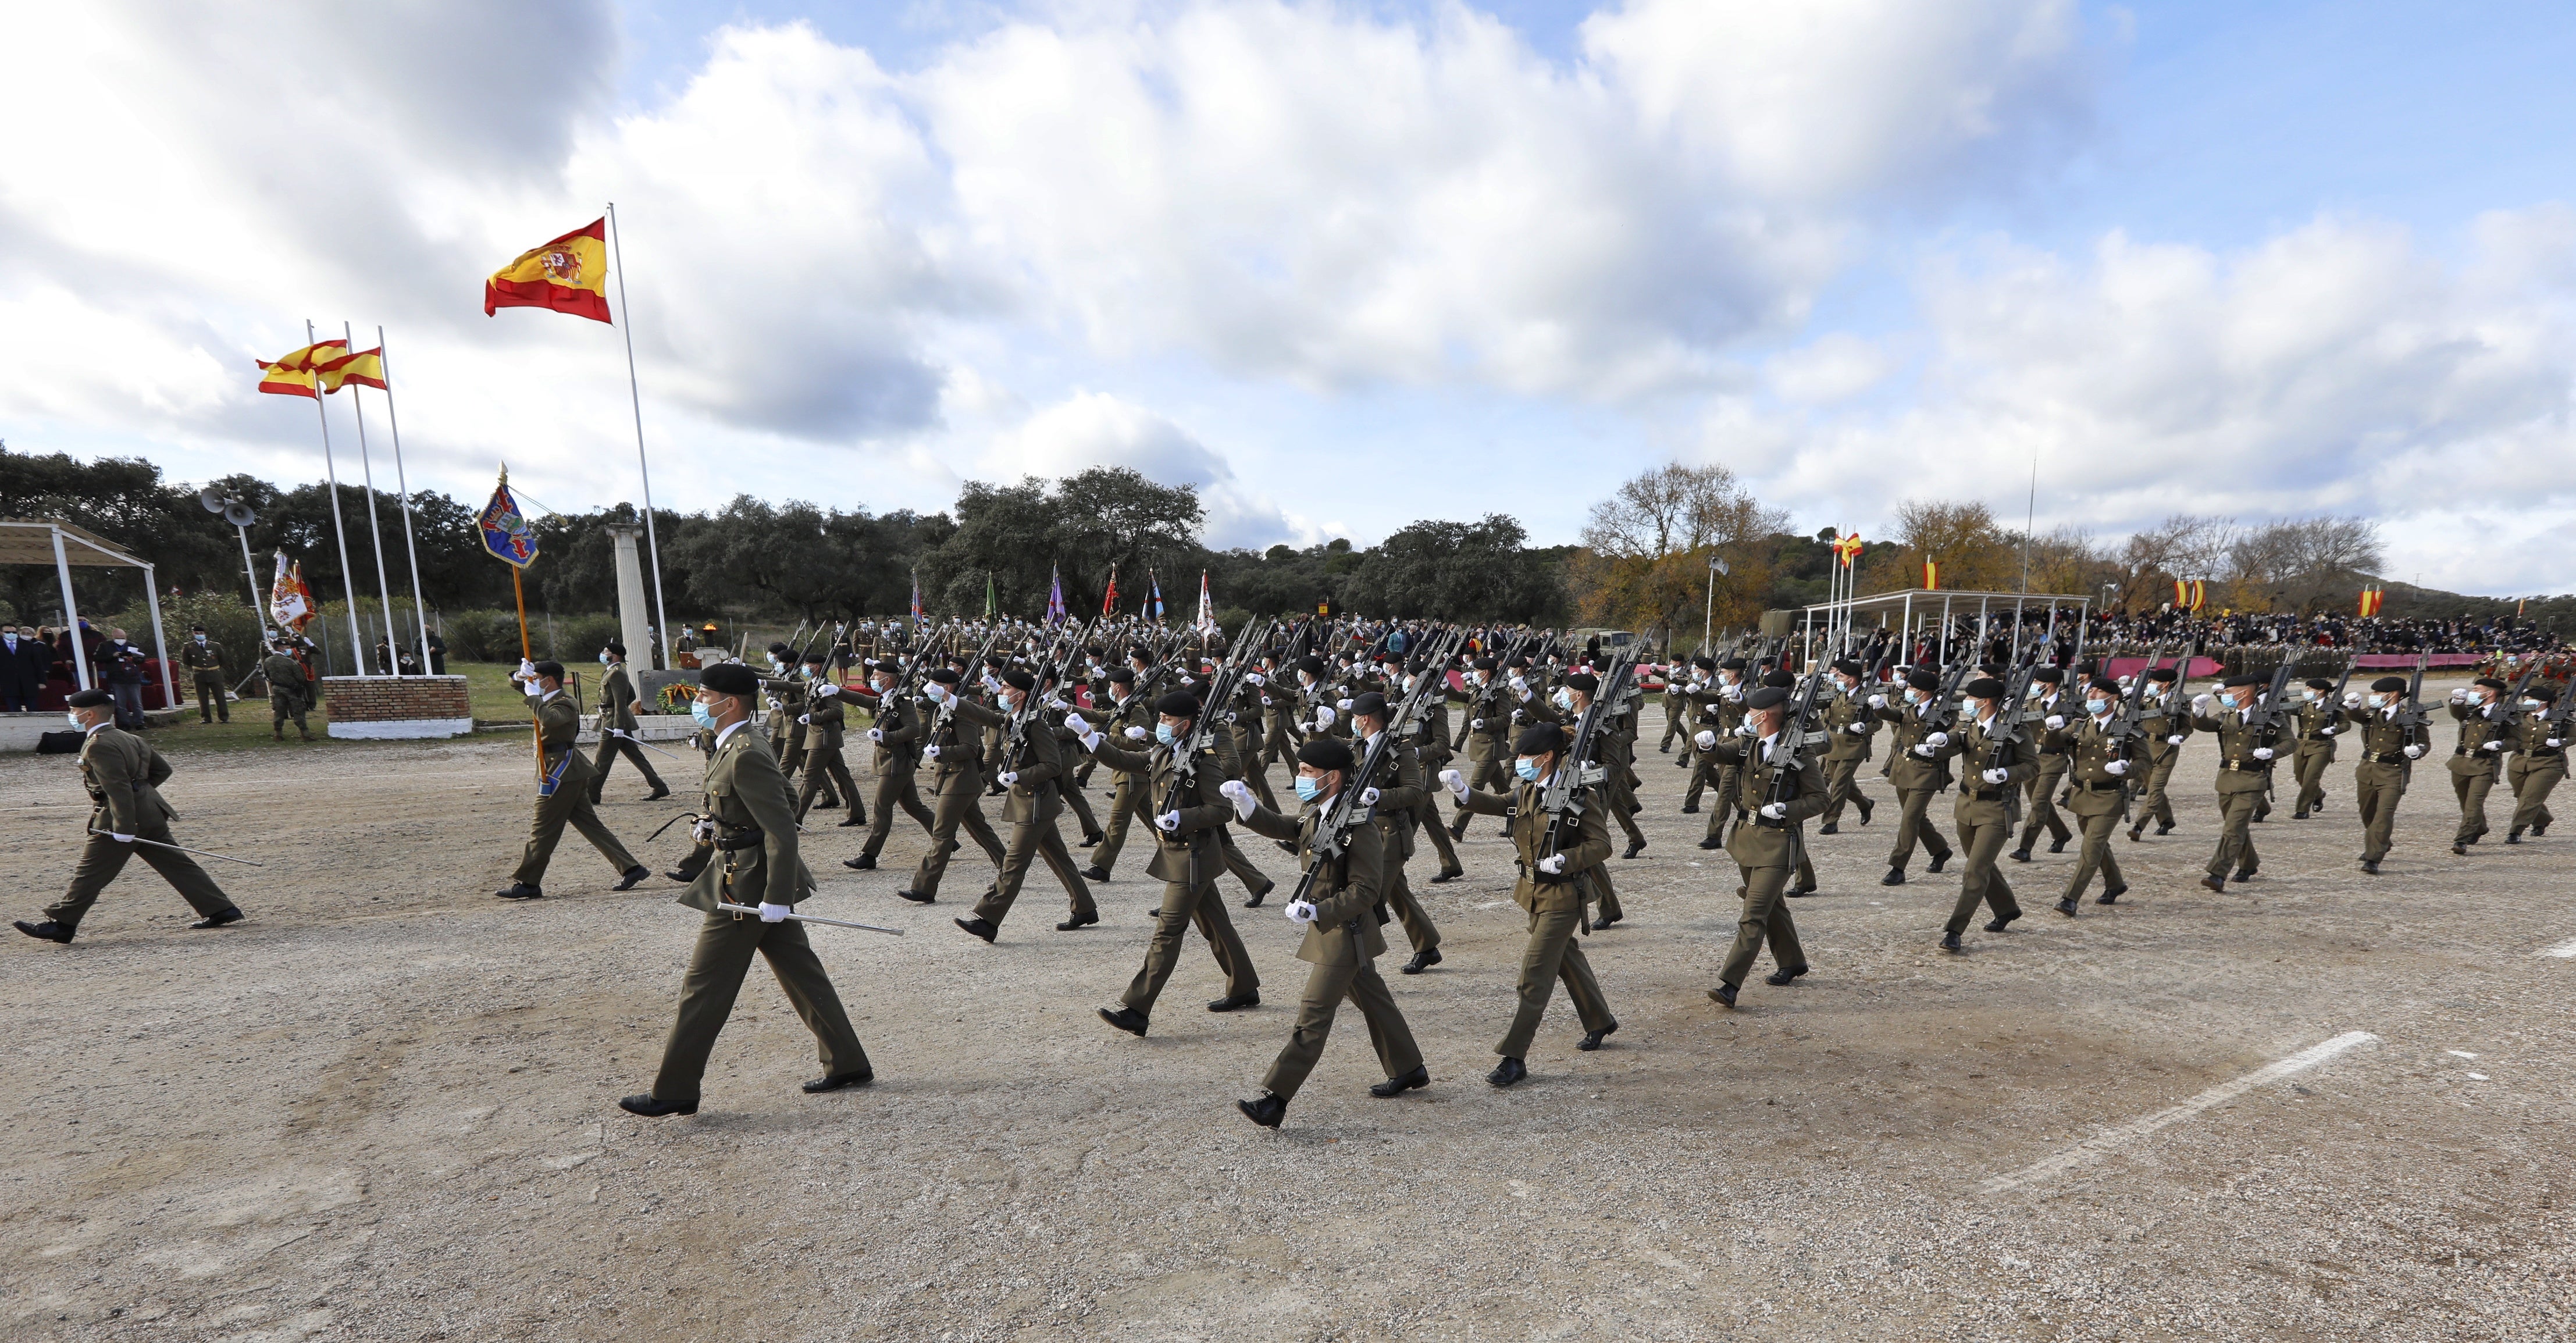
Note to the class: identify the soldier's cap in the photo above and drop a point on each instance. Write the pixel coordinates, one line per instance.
(816, 658)
(1984, 687)
(1121, 676)
(2051, 675)
(2161, 674)
(2088, 667)
(1312, 666)
(2542, 691)
(1923, 678)
(1731, 664)
(1990, 669)
(1370, 705)
(1142, 654)
(1539, 739)
(550, 667)
(2389, 683)
(1325, 753)
(1766, 697)
(1516, 661)
(1417, 666)
(2491, 683)
(1778, 679)
(944, 675)
(1485, 664)
(1179, 704)
(89, 699)
(2246, 678)
(1847, 667)
(615, 647)
(196, 629)
(1584, 681)
(1017, 679)
(778, 647)
(1704, 663)
(2319, 683)
(729, 678)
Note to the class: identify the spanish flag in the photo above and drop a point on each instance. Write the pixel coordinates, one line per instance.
(295, 372)
(364, 367)
(2371, 599)
(569, 274)
(1847, 549)
(1931, 575)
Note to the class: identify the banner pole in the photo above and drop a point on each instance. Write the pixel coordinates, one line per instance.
(536, 730)
(635, 393)
(419, 604)
(375, 529)
(331, 473)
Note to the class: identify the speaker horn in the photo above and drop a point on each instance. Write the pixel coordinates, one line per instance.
(212, 498)
(238, 513)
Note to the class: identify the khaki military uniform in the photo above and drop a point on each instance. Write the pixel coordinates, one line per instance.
(1984, 813)
(2536, 768)
(617, 710)
(1556, 904)
(2098, 798)
(956, 793)
(2163, 719)
(1113, 718)
(2040, 795)
(1431, 747)
(1068, 785)
(2475, 768)
(2243, 778)
(1854, 726)
(563, 793)
(1030, 807)
(1721, 711)
(124, 776)
(2380, 778)
(896, 729)
(2319, 722)
(1401, 791)
(1341, 945)
(290, 695)
(206, 661)
(1918, 779)
(1765, 849)
(1187, 858)
(1486, 737)
(827, 771)
(746, 797)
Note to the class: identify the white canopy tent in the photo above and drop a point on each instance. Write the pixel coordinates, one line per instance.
(63, 545)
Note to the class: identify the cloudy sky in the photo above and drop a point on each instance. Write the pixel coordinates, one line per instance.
(1341, 265)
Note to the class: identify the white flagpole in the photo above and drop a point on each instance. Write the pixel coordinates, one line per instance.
(419, 607)
(635, 390)
(331, 473)
(375, 530)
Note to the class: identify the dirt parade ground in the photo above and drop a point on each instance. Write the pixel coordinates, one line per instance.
(2322, 1106)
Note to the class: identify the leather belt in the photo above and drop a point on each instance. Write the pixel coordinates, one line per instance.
(2546, 753)
(2246, 766)
(729, 838)
(1984, 794)
(2385, 757)
(2106, 786)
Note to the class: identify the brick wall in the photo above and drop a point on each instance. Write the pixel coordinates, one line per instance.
(384, 699)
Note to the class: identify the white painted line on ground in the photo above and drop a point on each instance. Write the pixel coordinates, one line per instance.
(2459, 1053)
(2562, 951)
(2224, 1092)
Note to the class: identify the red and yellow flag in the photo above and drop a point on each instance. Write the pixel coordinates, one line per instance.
(295, 372)
(1847, 549)
(1931, 575)
(2371, 599)
(569, 274)
(363, 367)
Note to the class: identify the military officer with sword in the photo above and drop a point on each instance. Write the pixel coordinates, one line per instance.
(124, 776)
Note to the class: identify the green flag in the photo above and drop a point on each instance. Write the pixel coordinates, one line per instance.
(990, 608)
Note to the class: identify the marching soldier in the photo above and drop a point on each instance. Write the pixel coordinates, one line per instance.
(2389, 749)
(205, 658)
(896, 732)
(1565, 707)
(1431, 747)
(2244, 773)
(956, 759)
(1676, 706)
(1245, 734)
(1030, 763)
(1398, 792)
(1485, 736)
(1919, 774)
(1556, 885)
(1853, 727)
(826, 771)
(2319, 719)
(2486, 733)
(2097, 782)
(563, 788)
(1721, 718)
(290, 691)
(2167, 726)
(1122, 714)
(753, 825)
(124, 776)
(1767, 848)
(2052, 706)
(617, 726)
(1997, 766)
(1054, 707)
(2539, 762)
(1342, 942)
(1186, 857)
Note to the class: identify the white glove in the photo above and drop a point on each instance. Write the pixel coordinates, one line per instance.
(2460, 696)
(1734, 693)
(805, 718)
(1344, 705)
(1705, 740)
(1254, 679)
(2496, 745)
(1169, 822)
(1997, 776)
(1552, 864)
(1368, 797)
(1478, 724)
(2200, 703)
(992, 683)
(1091, 741)
(770, 913)
(2115, 767)
(1007, 777)
(2352, 699)
(2415, 752)
(2262, 752)
(1455, 782)
(825, 689)
(1858, 729)
(527, 671)
(2054, 721)
(121, 839)
(1323, 716)
(1187, 681)
(2174, 740)
(1937, 739)
(1135, 733)
(1081, 726)
(1878, 701)
(2328, 731)
(1301, 912)
(1520, 685)
(1925, 751)
(876, 734)
(2553, 743)
(1240, 794)
(1775, 811)
(930, 752)
(1055, 701)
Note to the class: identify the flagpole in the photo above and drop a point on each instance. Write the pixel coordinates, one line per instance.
(419, 607)
(635, 391)
(330, 472)
(375, 529)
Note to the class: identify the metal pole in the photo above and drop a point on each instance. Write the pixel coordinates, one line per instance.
(258, 613)
(1708, 613)
(375, 532)
(635, 392)
(71, 610)
(331, 473)
(160, 647)
(393, 422)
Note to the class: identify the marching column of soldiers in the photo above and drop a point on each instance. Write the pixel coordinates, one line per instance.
(1522, 727)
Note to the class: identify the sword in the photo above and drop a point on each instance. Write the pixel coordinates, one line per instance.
(629, 736)
(732, 908)
(184, 849)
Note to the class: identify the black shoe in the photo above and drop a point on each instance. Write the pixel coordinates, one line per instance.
(660, 791)
(1447, 875)
(1094, 840)
(2298, 816)
(1073, 921)
(1397, 1086)
(651, 1108)
(2218, 884)
(2067, 907)
(1950, 942)
(1265, 1109)
(1235, 1002)
(2018, 856)
(2058, 846)
(2138, 831)
(1690, 809)
(519, 890)
(2460, 849)
(1666, 748)
(48, 931)
(1865, 810)
(1255, 899)
(1422, 960)
(219, 919)
(1998, 925)
(1634, 848)
(2260, 819)
(979, 927)
(2164, 828)
(1095, 872)
(679, 876)
(1935, 864)
(1504, 832)
(1783, 978)
(2541, 829)
(837, 1081)
(1599, 925)
(1723, 995)
(2110, 895)
(1895, 877)
(1592, 1039)
(1508, 1071)
(594, 794)
(2243, 874)
(2369, 865)
(1800, 892)
(855, 820)
(1459, 830)
(865, 862)
(2513, 837)
(1712, 842)
(1828, 828)
(1127, 1019)
(917, 897)
(634, 876)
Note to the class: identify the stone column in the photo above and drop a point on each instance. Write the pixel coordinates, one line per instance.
(634, 618)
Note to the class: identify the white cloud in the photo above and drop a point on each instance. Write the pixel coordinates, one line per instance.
(1092, 429)
(1836, 367)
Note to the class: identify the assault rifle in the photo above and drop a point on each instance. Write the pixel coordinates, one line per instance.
(1563, 798)
(1203, 729)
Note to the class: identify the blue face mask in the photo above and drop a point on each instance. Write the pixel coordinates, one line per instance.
(698, 712)
(1527, 769)
(1308, 788)
(1163, 733)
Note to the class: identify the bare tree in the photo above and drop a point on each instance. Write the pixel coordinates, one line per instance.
(1648, 546)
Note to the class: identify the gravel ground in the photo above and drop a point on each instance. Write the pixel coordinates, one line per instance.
(384, 1107)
